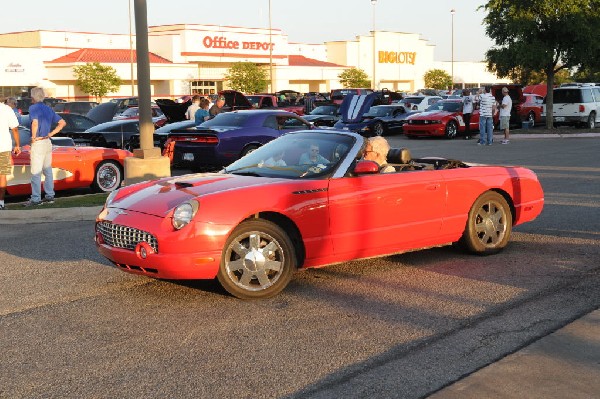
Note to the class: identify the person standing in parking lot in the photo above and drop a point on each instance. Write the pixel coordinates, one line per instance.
(487, 109)
(505, 109)
(217, 107)
(191, 110)
(8, 124)
(42, 119)
(12, 102)
(467, 111)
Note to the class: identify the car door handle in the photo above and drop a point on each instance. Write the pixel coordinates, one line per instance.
(433, 187)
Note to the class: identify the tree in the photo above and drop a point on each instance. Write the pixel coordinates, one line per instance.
(542, 35)
(354, 77)
(437, 79)
(97, 79)
(247, 77)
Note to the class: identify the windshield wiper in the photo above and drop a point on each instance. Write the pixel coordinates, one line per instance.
(245, 173)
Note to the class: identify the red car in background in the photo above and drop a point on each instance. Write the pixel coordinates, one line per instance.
(444, 118)
(530, 110)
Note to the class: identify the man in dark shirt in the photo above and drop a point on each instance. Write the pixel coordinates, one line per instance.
(217, 107)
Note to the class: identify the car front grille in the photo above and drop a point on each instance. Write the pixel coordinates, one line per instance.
(119, 236)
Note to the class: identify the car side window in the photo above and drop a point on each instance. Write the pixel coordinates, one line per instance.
(271, 122)
(292, 123)
(587, 96)
(597, 94)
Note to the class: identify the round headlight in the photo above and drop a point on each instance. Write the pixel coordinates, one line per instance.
(184, 213)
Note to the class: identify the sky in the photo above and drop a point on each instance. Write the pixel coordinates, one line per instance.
(304, 21)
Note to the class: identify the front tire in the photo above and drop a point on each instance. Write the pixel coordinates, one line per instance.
(258, 260)
(378, 129)
(108, 177)
(451, 130)
(489, 225)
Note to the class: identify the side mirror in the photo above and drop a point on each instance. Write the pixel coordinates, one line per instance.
(365, 167)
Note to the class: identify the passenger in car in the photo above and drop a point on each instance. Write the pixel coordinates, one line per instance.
(312, 157)
(376, 150)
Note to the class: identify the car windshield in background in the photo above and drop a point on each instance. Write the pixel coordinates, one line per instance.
(412, 100)
(380, 111)
(341, 93)
(449, 106)
(254, 100)
(130, 112)
(294, 156)
(324, 110)
(229, 119)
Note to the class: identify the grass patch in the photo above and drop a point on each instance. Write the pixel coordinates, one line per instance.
(67, 202)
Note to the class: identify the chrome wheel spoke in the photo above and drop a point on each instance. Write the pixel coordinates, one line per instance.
(235, 265)
(254, 241)
(274, 265)
(263, 279)
(239, 249)
(246, 278)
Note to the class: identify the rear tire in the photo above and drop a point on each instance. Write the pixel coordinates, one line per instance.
(248, 149)
(489, 225)
(378, 129)
(591, 124)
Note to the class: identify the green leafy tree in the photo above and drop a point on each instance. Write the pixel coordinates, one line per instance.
(437, 79)
(354, 77)
(587, 74)
(247, 77)
(97, 79)
(542, 35)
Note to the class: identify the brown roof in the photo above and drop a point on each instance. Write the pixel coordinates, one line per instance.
(106, 56)
(300, 60)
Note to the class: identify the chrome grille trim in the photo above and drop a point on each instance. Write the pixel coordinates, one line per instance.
(120, 236)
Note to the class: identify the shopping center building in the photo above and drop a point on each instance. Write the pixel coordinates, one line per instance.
(186, 59)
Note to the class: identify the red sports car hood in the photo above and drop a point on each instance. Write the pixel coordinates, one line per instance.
(432, 115)
(161, 196)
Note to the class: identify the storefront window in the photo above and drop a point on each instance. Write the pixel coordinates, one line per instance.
(204, 87)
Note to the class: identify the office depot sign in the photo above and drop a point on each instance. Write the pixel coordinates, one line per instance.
(221, 42)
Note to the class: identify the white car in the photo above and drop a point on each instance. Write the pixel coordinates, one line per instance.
(419, 103)
(576, 105)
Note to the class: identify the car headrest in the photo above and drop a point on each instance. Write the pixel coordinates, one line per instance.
(399, 155)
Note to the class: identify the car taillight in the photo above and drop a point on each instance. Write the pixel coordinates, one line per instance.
(581, 108)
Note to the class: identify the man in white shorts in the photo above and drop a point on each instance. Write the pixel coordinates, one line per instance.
(8, 124)
(505, 108)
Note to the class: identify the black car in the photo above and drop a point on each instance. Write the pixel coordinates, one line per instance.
(161, 134)
(24, 103)
(114, 134)
(74, 123)
(324, 115)
(75, 107)
(358, 115)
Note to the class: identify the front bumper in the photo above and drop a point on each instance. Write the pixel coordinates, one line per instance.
(194, 252)
(424, 130)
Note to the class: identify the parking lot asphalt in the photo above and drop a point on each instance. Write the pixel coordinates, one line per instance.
(563, 364)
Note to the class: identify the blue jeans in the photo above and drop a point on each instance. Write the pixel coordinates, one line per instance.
(486, 129)
(41, 162)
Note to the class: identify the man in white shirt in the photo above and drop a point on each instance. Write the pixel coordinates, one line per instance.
(487, 109)
(8, 124)
(505, 108)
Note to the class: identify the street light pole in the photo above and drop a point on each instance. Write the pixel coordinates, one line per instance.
(130, 49)
(271, 50)
(452, 11)
(374, 87)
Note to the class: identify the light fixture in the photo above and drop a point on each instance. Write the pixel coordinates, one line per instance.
(452, 12)
(373, 3)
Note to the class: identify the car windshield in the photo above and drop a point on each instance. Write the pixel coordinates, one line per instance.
(130, 112)
(449, 106)
(324, 110)
(229, 119)
(298, 155)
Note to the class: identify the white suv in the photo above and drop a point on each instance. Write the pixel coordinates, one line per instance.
(576, 105)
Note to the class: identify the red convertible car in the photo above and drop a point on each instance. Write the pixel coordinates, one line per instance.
(444, 118)
(309, 199)
(73, 167)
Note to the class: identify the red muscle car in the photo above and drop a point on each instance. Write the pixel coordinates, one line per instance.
(444, 118)
(309, 199)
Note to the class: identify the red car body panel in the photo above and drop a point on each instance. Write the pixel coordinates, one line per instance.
(337, 219)
(532, 105)
(74, 167)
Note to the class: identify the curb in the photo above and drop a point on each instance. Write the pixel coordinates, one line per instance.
(50, 215)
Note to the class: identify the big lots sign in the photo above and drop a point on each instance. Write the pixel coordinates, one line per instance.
(223, 43)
